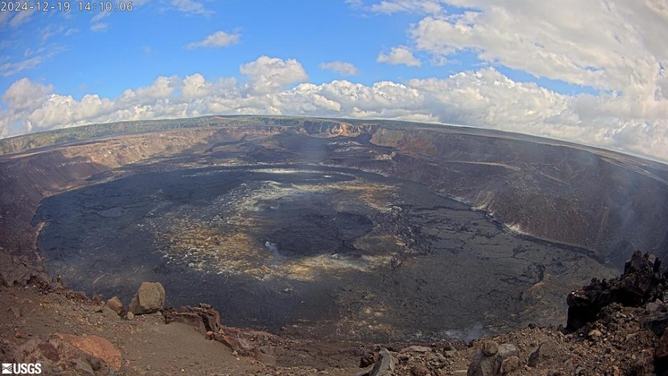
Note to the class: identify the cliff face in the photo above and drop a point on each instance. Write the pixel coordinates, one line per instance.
(604, 201)
(607, 202)
(29, 177)
(329, 129)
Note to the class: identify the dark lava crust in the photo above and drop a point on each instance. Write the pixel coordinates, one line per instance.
(308, 250)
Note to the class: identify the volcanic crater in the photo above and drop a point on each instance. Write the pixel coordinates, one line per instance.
(333, 229)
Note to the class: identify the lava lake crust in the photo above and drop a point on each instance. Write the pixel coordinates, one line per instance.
(308, 250)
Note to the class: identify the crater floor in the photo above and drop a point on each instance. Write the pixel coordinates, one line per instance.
(309, 250)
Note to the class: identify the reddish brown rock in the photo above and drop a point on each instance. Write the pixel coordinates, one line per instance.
(204, 317)
(95, 346)
(49, 351)
(239, 345)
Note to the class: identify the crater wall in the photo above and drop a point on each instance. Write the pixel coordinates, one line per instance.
(604, 201)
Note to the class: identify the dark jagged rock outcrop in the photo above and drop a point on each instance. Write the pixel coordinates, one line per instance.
(643, 281)
(22, 271)
(204, 317)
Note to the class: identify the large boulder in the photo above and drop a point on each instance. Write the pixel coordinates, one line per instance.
(643, 281)
(150, 298)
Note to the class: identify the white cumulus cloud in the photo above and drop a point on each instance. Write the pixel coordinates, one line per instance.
(484, 97)
(400, 55)
(217, 40)
(267, 75)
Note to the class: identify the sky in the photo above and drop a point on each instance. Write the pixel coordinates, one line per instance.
(592, 72)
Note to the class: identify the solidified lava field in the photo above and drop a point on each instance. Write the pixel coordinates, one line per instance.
(331, 229)
(309, 250)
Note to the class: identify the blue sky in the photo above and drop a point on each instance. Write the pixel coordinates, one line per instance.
(150, 41)
(589, 72)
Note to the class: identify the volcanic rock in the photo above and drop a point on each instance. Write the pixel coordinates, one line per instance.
(95, 346)
(94, 362)
(661, 354)
(150, 298)
(419, 370)
(368, 359)
(490, 348)
(204, 317)
(655, 306)
(385, 365)
(235, 344)
(510, 365)
(450, 353)
(547, 350)
(507, 350)
(49, 351)
(489, 360)
(82, 367)
(110, 313)
(418, 349)
(643, 281)
(20, 271)
(116, 305)
(16, 312)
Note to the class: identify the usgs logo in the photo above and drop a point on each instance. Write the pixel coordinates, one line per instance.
(21, 368)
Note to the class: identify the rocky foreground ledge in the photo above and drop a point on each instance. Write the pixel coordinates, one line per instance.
(615, 327)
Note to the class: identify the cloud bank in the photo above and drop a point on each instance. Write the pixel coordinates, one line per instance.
(274, 86)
